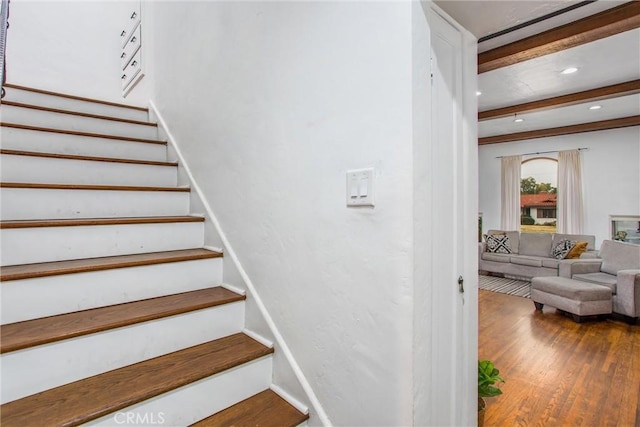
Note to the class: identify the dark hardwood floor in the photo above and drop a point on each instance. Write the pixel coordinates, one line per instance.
(557, 372)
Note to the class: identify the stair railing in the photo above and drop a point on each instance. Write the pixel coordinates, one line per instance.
(4, 25)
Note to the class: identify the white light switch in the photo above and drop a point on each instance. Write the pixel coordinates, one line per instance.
(360, 187)
(354, 187)
(364, 187)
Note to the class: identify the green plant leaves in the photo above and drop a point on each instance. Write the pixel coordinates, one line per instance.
(488, 378)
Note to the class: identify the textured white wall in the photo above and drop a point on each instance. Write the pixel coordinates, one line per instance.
(271, 103)
(610, 168)
(68, 46)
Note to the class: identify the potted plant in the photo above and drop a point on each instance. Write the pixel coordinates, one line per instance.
(489, 380)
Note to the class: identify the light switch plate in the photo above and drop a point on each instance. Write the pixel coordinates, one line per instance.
(360, 187)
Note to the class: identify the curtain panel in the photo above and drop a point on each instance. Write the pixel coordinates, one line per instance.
(570, 205)
(510, 193)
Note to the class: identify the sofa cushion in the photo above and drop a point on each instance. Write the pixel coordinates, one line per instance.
(618, 256)
(514, 238)
(591, 240)
(602, 279)
(497, 244)
(488, 256)
(536, 244)
(550, 262)
(526, 260)
(561, 249)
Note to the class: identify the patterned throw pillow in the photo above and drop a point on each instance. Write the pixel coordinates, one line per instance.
(562, 248)
(577, 250)
(497, 244)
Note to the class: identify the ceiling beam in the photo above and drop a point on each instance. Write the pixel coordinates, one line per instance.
(604, 24)
(562, 130)
(598, 94)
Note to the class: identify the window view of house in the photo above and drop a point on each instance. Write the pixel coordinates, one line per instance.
(538, 195)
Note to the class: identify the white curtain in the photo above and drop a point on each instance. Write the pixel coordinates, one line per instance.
(510, 194)
(570, 207)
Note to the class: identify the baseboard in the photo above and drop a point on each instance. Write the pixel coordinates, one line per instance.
(293, 401)
(262, 340)
(232, 288)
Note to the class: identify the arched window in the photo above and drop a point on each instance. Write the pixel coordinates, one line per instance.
(538, 194)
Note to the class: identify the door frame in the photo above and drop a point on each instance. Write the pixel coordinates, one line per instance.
(445, 379)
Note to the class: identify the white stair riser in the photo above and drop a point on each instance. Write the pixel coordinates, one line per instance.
(46, 244)
(48, 296)
(59, 143)
(47, 119)
(35, 203)
(198, 400)
(36, 369)
(52, 101)
(17, 168)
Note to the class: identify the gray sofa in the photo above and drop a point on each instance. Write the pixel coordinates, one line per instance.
(531, 254)
(617, 267)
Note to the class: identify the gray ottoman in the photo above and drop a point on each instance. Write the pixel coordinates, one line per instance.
(573, 296)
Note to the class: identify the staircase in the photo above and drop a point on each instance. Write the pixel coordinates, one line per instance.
(113, 311)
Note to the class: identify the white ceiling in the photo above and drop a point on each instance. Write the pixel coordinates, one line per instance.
(547, 24)
(487, 17)
(604, 62)
(600, 63)
(624, 106)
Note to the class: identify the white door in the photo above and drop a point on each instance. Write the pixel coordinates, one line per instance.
(454, 224)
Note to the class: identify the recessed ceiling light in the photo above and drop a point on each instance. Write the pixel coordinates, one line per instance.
(478, 93)
(595, 107)
(569, 70)
(519, 120)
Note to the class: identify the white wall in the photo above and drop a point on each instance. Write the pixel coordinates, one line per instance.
(68, 46)
(271, 103)
(610, 168)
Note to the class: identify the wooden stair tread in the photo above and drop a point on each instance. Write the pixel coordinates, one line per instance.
(78, 98)
(28, 271)
(93, 397)
(30, 333)
(89, 158)
(90, 187)
(80, 133)
(77, 113)
(97, 221)
(265, 409)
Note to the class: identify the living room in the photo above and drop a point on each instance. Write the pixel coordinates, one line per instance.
(536, 101)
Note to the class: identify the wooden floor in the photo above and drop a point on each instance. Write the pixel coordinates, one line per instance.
(557, 372)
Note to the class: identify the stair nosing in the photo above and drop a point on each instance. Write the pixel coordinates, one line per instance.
(81, 133)
(9, 152)
(99, 319)
(78, 113)
(75, 97)
(126, 386)
(57, 268)
(25, 185)
(83, 222)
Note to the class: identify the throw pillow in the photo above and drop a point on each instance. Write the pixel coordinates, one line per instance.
(562, 249)
(497, 244)
(577, 250)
